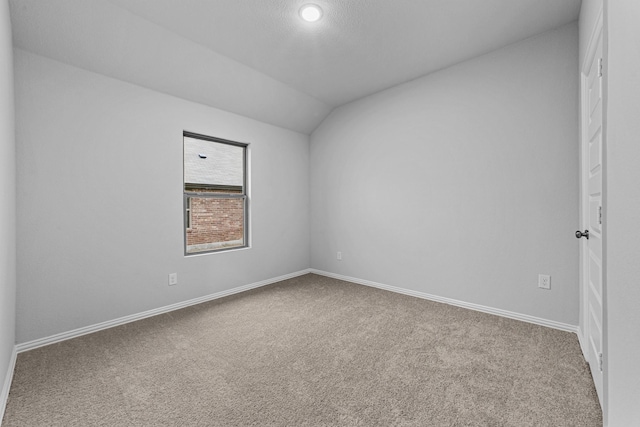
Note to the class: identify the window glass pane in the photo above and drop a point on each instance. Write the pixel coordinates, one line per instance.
(213, 166)
(216, 223)
(215, 194)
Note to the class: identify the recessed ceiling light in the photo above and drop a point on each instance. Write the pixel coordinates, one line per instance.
(311, 12)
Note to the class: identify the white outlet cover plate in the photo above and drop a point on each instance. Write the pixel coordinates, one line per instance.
(173, 279)
(544, 281)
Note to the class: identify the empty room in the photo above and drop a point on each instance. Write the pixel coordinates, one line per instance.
(319, 213)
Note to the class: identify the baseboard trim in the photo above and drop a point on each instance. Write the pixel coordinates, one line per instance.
(4, 394)
(477, 307)
(63, 336)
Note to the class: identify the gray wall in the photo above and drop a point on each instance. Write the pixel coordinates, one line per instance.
(100, 199)
(7, 198)
(622, 208)
(461, 184)
(100, 36)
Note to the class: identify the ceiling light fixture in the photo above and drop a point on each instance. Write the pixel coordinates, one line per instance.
(310, 12)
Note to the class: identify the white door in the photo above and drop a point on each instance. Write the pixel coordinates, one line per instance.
(592, 207)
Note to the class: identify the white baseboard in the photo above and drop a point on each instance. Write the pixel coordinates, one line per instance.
(4, 393)
(63, 336)
(490, 310)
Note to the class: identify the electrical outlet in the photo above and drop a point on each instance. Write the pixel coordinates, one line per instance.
(339, 256)
(173, 279)
(544, 281)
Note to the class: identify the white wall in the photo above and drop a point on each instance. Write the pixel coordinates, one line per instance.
(7, 199)
(622, 211)
(461, 184)
(100, 199)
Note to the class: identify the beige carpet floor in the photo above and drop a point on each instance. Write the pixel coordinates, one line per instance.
(310, 351)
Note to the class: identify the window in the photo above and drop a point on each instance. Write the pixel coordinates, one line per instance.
(215, 194)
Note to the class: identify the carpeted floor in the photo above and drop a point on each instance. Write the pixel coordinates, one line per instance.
(310, 351)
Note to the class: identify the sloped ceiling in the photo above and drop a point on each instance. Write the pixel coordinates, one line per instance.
(257, 58)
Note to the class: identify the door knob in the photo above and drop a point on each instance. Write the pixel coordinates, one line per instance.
(584, 233)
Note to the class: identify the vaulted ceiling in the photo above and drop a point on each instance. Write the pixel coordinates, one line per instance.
(257, 58)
